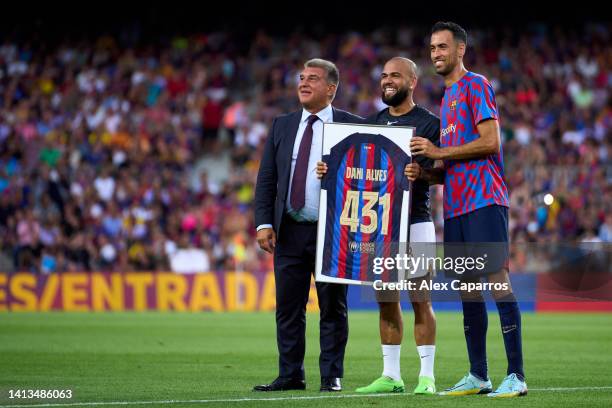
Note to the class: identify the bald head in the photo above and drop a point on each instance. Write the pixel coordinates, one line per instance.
(406, 65)
(397, 82)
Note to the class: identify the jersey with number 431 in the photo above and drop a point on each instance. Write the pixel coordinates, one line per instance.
(365, 185)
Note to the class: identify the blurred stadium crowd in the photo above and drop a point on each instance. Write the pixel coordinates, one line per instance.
(102, 145)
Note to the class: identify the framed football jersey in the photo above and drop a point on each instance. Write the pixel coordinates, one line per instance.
(364, 207)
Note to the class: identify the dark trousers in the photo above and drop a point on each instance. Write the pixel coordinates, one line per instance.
(294, 264)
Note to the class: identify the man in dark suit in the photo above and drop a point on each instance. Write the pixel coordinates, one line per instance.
(286, 213)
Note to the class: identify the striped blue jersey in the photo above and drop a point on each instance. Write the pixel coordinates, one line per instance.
(365, 186)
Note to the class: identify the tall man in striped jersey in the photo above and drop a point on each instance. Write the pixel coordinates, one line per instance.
(475, 203)
(397, 83)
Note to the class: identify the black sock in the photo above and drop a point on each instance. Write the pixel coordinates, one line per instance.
(475, 323)
(510, 318)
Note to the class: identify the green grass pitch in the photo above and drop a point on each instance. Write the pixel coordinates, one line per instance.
(186, 360)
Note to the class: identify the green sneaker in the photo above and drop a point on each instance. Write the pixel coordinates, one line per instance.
(426, 386)
(383, 384)
(469, 385)
(512, 386)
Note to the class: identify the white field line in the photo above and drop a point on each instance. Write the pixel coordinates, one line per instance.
(296, 398)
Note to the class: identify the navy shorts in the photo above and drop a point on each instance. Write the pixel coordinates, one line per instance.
(481, 235)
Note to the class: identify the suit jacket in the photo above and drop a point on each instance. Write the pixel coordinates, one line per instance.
(275, 168)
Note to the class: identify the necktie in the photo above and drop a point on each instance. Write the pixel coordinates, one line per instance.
(298, 185)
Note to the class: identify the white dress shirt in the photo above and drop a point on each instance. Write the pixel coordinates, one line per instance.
(310, 211)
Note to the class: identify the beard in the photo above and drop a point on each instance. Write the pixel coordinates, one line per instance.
(396, 99)
(444, 71)
(446, 68)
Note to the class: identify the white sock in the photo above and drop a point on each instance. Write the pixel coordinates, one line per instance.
(427, 355)
(391, 361)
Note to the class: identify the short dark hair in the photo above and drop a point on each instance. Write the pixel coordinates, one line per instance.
(459, 34)
(333, 75)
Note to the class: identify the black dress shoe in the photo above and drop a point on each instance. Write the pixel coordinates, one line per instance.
(330, 384)
(282, 384)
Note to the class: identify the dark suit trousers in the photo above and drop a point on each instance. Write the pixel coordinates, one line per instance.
(294, 264)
